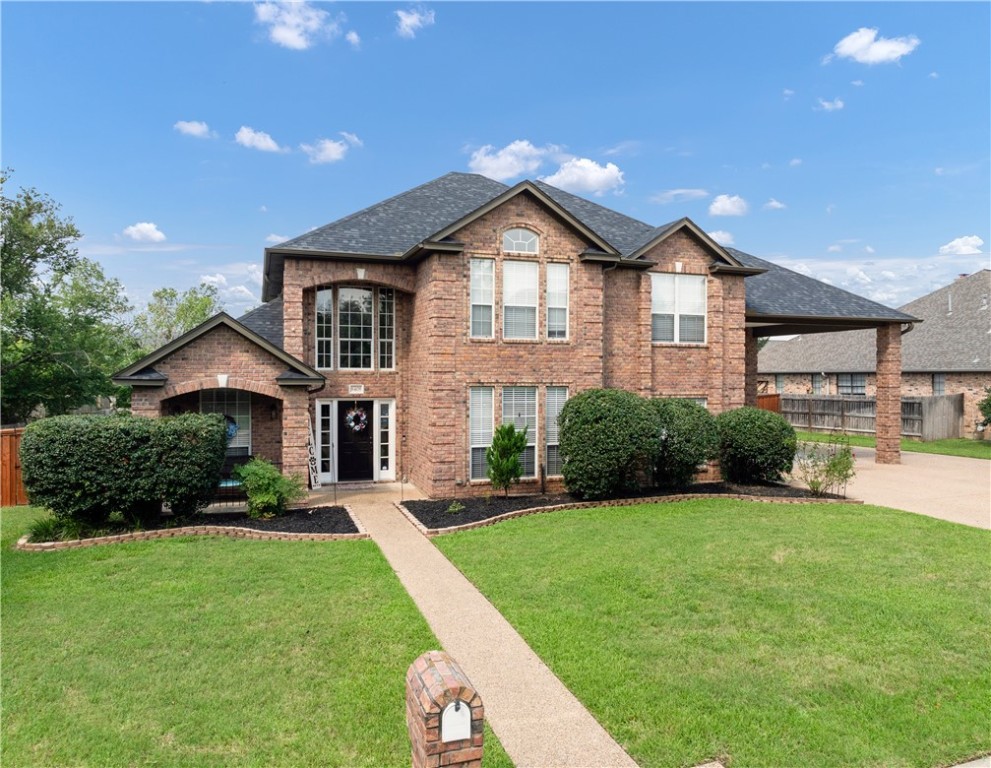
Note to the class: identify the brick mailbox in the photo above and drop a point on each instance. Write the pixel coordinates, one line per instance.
(444, 714)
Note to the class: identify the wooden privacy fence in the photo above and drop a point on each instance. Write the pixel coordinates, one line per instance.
(11, 487)
(769, 403)
(928, 418)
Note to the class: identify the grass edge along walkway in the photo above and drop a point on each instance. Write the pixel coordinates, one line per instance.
(956, 446)
(206, 652)
(755, 634)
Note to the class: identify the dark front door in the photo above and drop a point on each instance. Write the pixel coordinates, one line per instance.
(354, 435)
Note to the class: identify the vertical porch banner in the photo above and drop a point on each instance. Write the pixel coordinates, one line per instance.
(311, 451)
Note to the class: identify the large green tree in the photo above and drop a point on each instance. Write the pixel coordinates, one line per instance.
(63, 323)
(171, 313)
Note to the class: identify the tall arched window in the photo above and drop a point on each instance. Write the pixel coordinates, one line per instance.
(519, 240)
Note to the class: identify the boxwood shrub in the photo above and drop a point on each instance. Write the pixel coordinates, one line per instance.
(687, 438)
(607, 441)
(89, 468)
(756, 446)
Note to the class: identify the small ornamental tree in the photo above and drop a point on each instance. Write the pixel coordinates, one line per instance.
(607, 440)
(756, 446)
(687, 438)
(503, 456)
(985, 407)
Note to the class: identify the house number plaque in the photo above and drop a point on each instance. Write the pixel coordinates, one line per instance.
(356, 389)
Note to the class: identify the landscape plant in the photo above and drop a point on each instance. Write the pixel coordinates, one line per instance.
(269, 491)
(687, 438)
(756, 446)
(608, 439)
(503, 457)
(826, 467)
(985, 407)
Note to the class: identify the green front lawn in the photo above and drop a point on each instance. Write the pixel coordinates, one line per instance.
(954, 446)
(756, 634)
(206, 652)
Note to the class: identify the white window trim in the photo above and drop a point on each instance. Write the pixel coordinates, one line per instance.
(377, 329)
(340, 334)
(471, 445)
(471, 298)
(532, 437)
(535, 306)
(317, 338)
(679, 278)
(548, 444)
(377, 474)
(536, 240)
(567, 301)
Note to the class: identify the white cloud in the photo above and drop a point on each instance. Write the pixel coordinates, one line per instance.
(325, 151)
(352, 139)
(678, 196)
(249, 137)
(795, 162)
(218, 280)
(934, 75)
(263, 209)
(865, 47)
(774, 205)
(869, 249)
(515, 159)
(962, 246)
(353, 38)
(834, 248)
(144, 232)
(579, 174)
(295, 25)
(830, 106)
(728, 205)
(858, 83)
(721, 236)
(628, 147)
(858, 276)
(274, 238)
(238, 293)
(194, 128)
(412, 21)
(787, 93)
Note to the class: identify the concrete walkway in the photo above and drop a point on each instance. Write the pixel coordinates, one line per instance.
(537, 719)
(948, 487)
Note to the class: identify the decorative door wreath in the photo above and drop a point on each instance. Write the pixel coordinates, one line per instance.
(356, 419)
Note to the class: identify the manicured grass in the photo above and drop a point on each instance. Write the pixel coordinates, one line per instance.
(955, 446)
(206, 652)
(756, 634)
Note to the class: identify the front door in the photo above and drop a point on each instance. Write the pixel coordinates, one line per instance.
(355, 428)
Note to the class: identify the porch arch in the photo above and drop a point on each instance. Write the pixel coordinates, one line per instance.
(233, 382)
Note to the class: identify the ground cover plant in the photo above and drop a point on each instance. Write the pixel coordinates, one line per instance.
(955, 446)
(206, 652)
(758, 634)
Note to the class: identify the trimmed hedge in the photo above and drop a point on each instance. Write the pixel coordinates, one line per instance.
(687, 438)
(607, 441)
(87, 468)
(755, 445)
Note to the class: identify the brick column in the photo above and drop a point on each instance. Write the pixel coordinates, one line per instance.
(889, 394)
(444, 714)
(295, 432)
(750, 382)
(292, 311)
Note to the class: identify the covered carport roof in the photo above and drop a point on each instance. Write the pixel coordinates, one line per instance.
(782, 302)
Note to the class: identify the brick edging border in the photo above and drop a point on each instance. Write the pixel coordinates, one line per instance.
(431, 532)
(24, 544)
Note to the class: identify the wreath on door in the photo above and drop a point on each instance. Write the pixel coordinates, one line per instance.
(356, 419)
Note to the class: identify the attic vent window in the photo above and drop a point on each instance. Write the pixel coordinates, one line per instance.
(519, 240)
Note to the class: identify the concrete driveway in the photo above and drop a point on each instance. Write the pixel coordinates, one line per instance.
(948, 487)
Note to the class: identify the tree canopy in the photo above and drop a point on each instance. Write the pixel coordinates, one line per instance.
(63, 323)
(171, 313)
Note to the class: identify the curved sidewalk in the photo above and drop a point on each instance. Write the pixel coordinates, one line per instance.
(948, 487)
(537, 719)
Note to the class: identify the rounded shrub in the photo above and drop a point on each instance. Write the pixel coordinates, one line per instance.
(269, 491)
(687, 437)
(756, 446)
(607, 440)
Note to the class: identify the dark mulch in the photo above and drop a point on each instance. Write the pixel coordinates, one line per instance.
(302, 520)
(436, 513)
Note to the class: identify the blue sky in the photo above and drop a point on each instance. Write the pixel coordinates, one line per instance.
(849, 141)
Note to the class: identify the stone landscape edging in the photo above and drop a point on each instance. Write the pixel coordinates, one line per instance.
(431, 532)
(24, 544)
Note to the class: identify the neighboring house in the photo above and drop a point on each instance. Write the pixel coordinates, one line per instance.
(947, 354)
(402, 335)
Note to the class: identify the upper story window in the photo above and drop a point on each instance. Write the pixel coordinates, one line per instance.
(519, 299)
(519, 240)
(482, 297)
(557, 301)
(360, 323)
(678, 308)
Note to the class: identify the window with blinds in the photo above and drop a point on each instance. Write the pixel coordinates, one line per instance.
(482, 292)
(678, 308)
(480, 430)
(519, 298)
(354, 326)
(556, 398)
(557, 301)
(519, 408)
(233, 404)
(325, 328)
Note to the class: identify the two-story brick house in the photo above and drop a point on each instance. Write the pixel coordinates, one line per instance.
(395, 340)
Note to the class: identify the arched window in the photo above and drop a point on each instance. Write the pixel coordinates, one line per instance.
(519, 240)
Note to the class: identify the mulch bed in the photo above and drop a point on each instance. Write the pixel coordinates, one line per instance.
(435, 513)
(301, 520)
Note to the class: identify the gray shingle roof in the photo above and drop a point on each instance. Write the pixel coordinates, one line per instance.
(955, 336)
(266, 321)
(783, 292)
